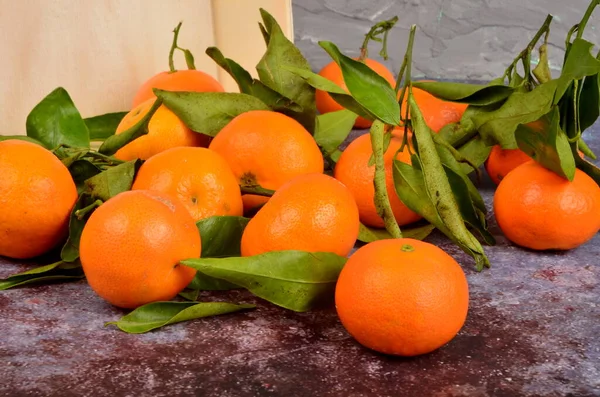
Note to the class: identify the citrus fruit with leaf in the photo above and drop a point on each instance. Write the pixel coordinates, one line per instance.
(131, 246)
(267, 149)
(200, 178)
(402, 297)
(354, 171)
(538, 209)
(313, 212)
(165, 131)
(501, 161)
(179, 80)
(37, 194)
(332, 71)
(436, 112)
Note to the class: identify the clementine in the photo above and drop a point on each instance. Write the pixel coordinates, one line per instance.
(37, 195)
(402, 297)
(267, 148)
(131, 246)
(331, 71)
(165, 131)
(501, 161)
(313, 212)
(179, 80)
(538, 209)
(353, 170)
(200, 178)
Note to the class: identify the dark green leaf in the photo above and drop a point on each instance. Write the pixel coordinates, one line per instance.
(81, 170)
(589, 102)
(499, 126)
(59, 271)
(264, 33)
(578, 64)
(476, 151)
(474, 94)
(368, 235)
(70, 251)
(248, 85)
(545, 142)
(295, 280)
(592, 170)
(115, 142)
(113, 181)
(439, 189)
(281, 51)
(103, 126)
(20, 138)
(369, 89)
(190, 294)
(159, 314)
(56, 121)
(332, 129)
(209, 112)
(335, 91)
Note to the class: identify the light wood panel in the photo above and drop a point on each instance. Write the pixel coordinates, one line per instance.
(101, 51)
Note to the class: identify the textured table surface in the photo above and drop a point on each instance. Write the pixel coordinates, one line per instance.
(532, 330)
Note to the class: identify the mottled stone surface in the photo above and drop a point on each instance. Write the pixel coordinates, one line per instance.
(532, 330)
(457, 39)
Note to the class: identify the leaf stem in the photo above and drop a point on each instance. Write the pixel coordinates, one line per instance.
(257, 190)
(586, 18)
(81, 213)
(376, 30)
(382, 200)
(173, 47)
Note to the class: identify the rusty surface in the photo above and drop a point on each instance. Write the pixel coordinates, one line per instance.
(532, 330)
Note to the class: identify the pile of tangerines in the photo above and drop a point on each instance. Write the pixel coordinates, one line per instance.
(397, 296)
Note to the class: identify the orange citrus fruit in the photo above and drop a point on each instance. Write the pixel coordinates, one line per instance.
(353, 170)
(537, 209)
(313, 212)
(331, 71)
(165, 131)
(37, 194)
(267, 148)
(403, 297)
(200, 178)
(131, 246)
(436, 112)
(180, 80)
(502, 161)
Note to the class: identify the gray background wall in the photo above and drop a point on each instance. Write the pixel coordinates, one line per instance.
(456, 39)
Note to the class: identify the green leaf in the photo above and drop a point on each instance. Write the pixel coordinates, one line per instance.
(103, 126)
(20, 138)
(439, 190)
(81, 170)
(251, 86)
(476, 151)
(112, 181)
(335, 91)
(209, 112)
(548, 144)
(542, 70)
(589, 102)
(578, 64)
(474, 94)
(70, 251)
(58, 271)
(115, 142)
(281, 51)
(332, 129)
(159, 314)
(591, 169)
(369, 89)
(221, 237)
(295, 280)
(499, 126)
(56, 121)
(368, 235)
